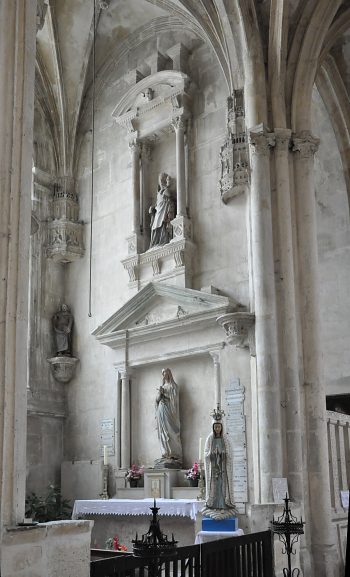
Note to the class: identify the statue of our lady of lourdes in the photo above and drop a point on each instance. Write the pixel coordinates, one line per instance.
(217, 457)
(168, 423)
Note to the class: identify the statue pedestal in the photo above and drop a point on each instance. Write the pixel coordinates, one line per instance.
(63, 368)
(159, 482)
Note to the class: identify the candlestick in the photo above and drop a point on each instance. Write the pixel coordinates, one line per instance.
(200, 449)
(201, 484)
(105, 454)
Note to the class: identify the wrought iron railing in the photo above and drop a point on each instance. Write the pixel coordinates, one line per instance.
(246, 556)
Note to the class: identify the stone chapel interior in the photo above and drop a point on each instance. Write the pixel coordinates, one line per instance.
(174, 194)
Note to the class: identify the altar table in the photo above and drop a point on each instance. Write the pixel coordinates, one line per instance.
(179, 507)
(126, 517)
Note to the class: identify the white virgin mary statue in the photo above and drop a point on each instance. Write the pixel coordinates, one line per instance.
(219, 504)
(168, 423)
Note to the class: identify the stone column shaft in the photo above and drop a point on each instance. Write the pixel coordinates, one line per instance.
(321, 531)
(270, 438)
(125, 429)
(135, 150)
(217, 381)
(179, 126)
(17, 70)
(289, 318)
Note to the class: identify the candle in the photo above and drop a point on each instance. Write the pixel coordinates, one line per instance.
(105, 454)
(200, 449)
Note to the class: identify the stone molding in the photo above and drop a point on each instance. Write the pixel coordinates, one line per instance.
(63, 368)
(305, 143)
(238, 327)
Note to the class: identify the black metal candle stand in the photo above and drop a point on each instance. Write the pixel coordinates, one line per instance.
(154, 545)
(288, 529)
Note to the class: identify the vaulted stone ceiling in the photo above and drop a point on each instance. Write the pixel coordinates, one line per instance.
(276, 33)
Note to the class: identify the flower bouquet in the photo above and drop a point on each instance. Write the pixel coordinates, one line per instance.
(113, 543)
(193, 475)
(134, 474)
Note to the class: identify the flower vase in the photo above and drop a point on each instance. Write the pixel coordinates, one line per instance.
(133, 482)
(193, 482)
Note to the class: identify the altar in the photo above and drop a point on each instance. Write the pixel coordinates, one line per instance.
(126, 517)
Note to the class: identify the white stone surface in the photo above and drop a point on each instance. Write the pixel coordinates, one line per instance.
(57, 549)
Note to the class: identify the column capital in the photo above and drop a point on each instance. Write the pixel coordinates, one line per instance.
(261, 140)
(135, 146)
(305, 143)
(179, 123)
(282, 139)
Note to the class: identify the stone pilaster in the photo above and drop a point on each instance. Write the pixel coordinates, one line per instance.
(321, 533)
(17, 69)
(268, 382)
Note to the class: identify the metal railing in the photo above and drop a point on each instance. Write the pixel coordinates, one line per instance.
(246, 556)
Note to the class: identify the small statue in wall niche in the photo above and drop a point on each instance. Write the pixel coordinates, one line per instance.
(168, 423)
(219, 504)
(62, 323)
(162, 213)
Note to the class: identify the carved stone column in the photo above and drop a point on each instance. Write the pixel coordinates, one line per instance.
(322, 543)
(270, 441)
(125, 429)
(134, 240)
(179, 127)
(17, 71)
(181, 224)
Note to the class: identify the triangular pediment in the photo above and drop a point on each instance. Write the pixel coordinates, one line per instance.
(158, 305)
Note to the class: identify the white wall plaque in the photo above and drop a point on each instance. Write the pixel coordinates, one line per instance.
(236, 431)
(344, 495)
(279, 489)
(107, 436)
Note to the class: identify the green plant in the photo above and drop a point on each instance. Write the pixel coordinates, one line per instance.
(51, 507)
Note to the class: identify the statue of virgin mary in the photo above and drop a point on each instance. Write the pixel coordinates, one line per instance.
(168, 423)
(219, 504)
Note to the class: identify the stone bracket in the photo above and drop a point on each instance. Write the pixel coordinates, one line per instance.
(63, 368)
(239, 329)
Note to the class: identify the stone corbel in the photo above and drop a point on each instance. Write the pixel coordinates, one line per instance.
(155, 266)
(239, 329)
(63, 368)
(131, 264)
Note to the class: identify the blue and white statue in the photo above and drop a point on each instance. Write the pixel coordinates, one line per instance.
(217, 460)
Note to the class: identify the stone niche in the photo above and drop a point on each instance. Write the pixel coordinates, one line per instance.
(155, 113)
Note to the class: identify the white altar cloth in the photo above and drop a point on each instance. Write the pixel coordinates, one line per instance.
(179, 507)
(206, 536)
